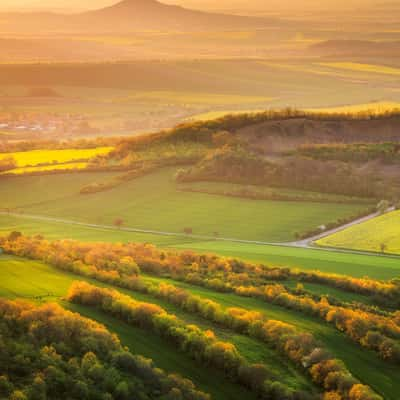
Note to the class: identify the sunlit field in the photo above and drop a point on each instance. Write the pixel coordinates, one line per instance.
(218, 114)
(171, 172)
(155, 202)
(53, 284)
(36, 157)
(139, 98)
(356, 265)
(378, 107)
(381, 235)
(53, 167)
(51, 160)
(369, 68)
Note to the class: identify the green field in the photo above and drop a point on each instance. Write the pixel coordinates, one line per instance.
(227, 188)
(27, 279)
(35, 279)
(357, 265)
(154, 202)
(369, 236)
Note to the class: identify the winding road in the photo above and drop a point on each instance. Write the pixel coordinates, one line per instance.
(308, 242)
(305, 243)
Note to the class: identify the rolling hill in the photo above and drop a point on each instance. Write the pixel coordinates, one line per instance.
(348, 48)
(131, 15)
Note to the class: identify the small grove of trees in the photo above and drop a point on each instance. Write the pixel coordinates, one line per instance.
(49, 353)
(238, 164)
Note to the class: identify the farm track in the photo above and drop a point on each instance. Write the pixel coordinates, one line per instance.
(305, 243)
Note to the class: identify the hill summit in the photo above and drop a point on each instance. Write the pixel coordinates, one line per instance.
(152, 14)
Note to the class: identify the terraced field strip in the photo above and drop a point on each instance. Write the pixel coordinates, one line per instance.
(37, 279)
(362, 363)
(40, 282)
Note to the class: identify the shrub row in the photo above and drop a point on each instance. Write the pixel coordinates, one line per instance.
(200, 345)
(301, 348)
(119, 264)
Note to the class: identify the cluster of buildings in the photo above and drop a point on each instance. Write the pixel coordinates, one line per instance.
(24, 127)
(43, 125)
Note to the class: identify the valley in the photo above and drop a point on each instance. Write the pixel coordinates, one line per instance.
(199, 200)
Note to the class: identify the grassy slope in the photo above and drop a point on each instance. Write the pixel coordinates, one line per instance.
(166, 357)
(362, 363)
(369, 235)
(223, 187)
(153, 202)
(356, 265)
(53, 284)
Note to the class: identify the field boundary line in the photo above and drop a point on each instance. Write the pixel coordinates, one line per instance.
(304, 244)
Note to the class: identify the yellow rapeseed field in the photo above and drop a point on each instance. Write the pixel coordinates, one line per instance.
(369, 68)
(378, 107)
(383, 231)
(69, 166)
(36, 157)
(219, 114)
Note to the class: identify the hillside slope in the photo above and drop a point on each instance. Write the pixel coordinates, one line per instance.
(131, 15)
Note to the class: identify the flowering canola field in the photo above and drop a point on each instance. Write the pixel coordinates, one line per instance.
(36, 157)
(381, 233)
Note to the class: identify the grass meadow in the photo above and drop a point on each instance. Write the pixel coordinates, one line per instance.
(357, 265)
(154, 202)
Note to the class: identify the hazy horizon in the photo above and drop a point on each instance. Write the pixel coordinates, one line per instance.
(256, 5)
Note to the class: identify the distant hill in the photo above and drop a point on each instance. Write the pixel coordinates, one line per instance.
(130, 15)
(355, 48)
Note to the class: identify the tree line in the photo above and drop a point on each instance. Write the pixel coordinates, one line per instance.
(299, 347)
(202, 346)
(219, 271)
(388, 152)
(237, 164)
(120, 265)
